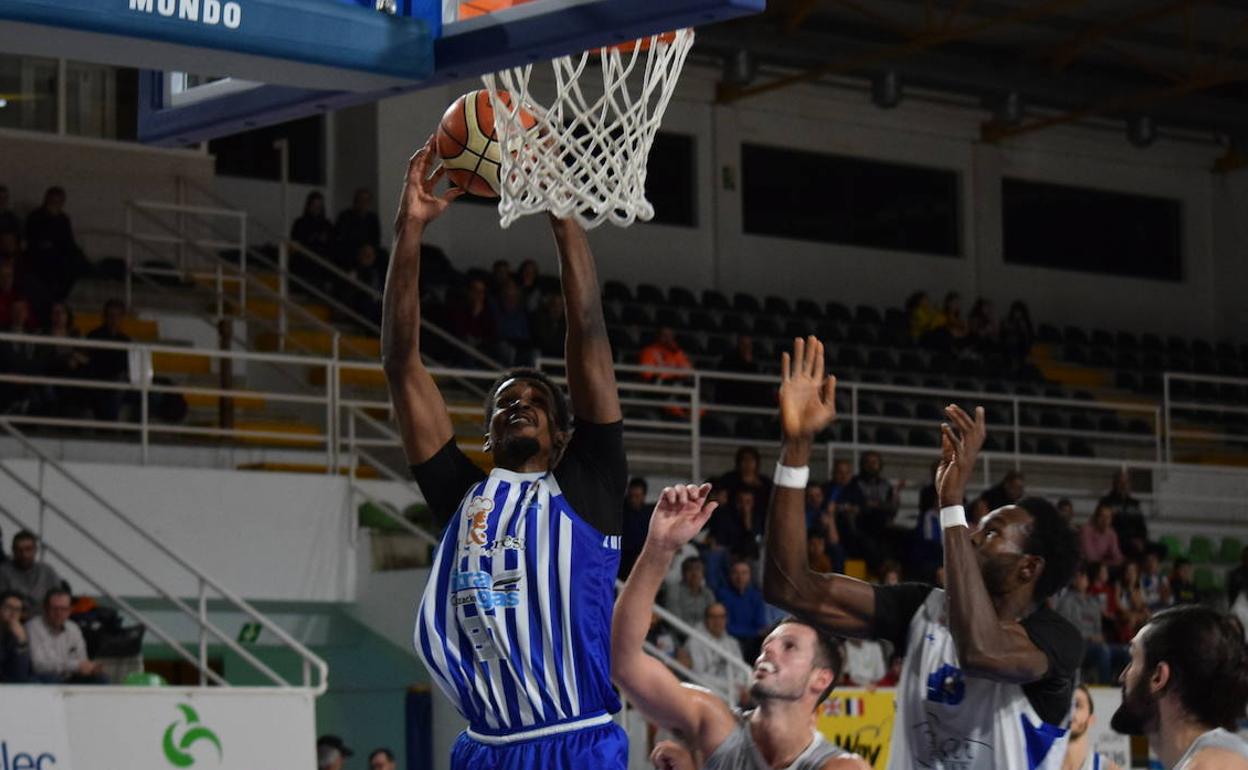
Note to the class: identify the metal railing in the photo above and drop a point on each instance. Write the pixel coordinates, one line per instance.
(1188, 405)
(314, 670)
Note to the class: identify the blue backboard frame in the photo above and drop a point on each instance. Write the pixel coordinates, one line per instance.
(527, 33)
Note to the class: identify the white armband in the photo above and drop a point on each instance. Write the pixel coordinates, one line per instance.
(952, 516)
(790, 477)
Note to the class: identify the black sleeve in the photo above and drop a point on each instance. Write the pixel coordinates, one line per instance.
(1061, 642)
(593, 475)
(443, 480)
(894, 608)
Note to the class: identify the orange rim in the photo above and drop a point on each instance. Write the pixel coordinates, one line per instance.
(642, 44)
(471, 8)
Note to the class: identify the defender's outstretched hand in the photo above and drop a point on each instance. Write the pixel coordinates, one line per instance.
(807, 393)
(421, 204)
(959, 449)
(680, 514)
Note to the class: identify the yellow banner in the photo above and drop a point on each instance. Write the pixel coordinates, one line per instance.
(860, 721)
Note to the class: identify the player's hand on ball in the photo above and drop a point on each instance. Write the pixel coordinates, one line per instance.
(421, 203)
(807, 393)
(680, 514)
(959, 449)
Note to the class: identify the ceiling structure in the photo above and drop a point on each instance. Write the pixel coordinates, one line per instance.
(1034, 64)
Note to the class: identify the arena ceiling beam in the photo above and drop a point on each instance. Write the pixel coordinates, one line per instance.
(1093, 34)
(932, 37)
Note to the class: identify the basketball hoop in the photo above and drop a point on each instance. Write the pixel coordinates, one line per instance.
(586, 155)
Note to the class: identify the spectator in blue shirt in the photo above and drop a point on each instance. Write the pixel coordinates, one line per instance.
(747, 612)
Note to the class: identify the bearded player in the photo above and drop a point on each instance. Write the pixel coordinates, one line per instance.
(514, 623)
(988, 671)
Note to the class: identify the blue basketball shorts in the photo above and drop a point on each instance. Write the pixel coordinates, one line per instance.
(601, 747)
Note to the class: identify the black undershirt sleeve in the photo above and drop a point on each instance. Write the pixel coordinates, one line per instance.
(894, 608)
(1062, 643)
(593, 475)
(444, 479)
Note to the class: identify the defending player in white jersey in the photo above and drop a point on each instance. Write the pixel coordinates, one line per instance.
(795, 670)
(1185, 688)
(1079, 752)
(514, 621)
(989, 671)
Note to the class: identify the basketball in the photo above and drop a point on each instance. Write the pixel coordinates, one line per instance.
(468, 143)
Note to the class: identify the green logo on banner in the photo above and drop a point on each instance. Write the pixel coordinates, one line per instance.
(249, 633)
(177, 750)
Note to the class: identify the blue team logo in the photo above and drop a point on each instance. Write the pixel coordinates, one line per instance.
(946, 685)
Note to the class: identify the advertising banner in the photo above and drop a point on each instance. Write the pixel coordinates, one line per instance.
(131, 728)
(860, 721)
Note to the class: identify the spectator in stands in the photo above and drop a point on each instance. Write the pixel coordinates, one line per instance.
(1182, 587)
(471, 319)
(26, 576)
(549, 326)
(108, 365)
(1097, 539)
(357, 225)
(745, 473)
(1007, 492)
(1017, 333)
(1154, 584)
(65, 361)
(984, 326)
(25, 358)
(366, 271)
(817, 550)
(58, 653)
(661, 635)
(14, 641)
(875, 497)
(952, 322)
(331, 753)
(1129, 520)
(816, 503)
(690, 598)
(747, 612)
(8, 292)
(314, 232)
(1129, 606)
(921, 316)
(381, 759)
(636, 524)
(527, 278)
(1237, 579)
(712, 662)
(500, 276)
(735, 526)
(1067, 510)
(55, 258)
(864, 663)
(1085, 612)
(664, 352)
(9, 221)
(890, 573)
(512, 322)
(741, 360)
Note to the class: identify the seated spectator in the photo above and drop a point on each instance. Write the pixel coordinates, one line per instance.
(1100, 589)
(471, 319)
(690, 598)
(108, 364)
(636, 525)
(894, 672)
(661, 635)
(877, 503)
(1007, 492)
(745, 473)
(1085, 613)
(947, 329)
(356, 226)
(24, 575)
(314, 232)
(1236, 579)
(984, 326)
(381, 759)
(58, 653)
(890, 573)
(14, 641)
(817, 551)
(1154, 585)
(1097, 539)
(1182, 587)
(736, 527)
(511, 321)
(1017, 333)
(1129, 520)
(664, 352)
(1067, 510)
(845, 511)
(527, 279)
(10, 223)
(711, 663)
(331, 753)
(550, 326)
(25, 358)
(921, 316)
(816, 504)
(747, 612)
(675, 572)
(864, 663)
(365, 270)
(65, 361)
(741, 361)
(500, 276)
(1129, 607)
(55, 258)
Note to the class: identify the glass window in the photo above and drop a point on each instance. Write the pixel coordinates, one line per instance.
(100, 101)
(835, 199)
(251, 153)
(1093, 231)
(671, 179)
(28, 92)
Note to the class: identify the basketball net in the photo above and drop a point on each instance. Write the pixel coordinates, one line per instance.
(585, 156)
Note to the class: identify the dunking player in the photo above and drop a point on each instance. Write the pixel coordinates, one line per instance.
(514, 623)
(1185, 688)
(988, 672)
(795, 671)
(1079, 752)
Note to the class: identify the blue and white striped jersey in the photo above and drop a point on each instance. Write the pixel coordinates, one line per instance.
(515, 621)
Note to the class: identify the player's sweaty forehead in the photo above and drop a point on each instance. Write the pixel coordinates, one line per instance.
(512, 388)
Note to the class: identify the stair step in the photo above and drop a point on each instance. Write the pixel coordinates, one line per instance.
(180, 363)
(289, 433)
(368, 378)
(363, 471)
(353, 345)
(205, 401)
(269, 310)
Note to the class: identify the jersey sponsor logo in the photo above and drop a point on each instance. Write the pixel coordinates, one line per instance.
(208, 12)
(478, 515)
(485, 591)
(946, 685)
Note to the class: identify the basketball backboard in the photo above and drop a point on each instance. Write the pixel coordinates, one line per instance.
(275, 60)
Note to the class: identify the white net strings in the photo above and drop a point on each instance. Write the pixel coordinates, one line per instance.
(586, 154)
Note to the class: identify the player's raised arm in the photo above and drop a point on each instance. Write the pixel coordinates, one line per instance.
(591, 371)
(424, 423)
(699, 716)
(989, 646)
(836, 603)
